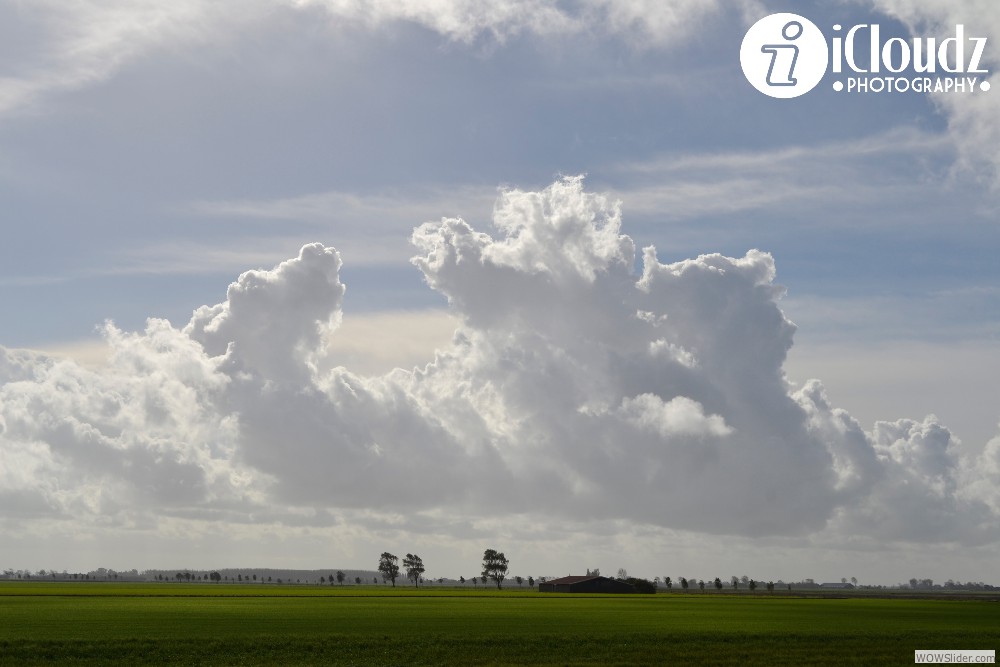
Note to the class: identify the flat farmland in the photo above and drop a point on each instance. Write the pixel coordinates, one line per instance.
(105, 623)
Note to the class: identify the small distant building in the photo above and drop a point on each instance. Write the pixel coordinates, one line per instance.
(837, 584)
(586, 584)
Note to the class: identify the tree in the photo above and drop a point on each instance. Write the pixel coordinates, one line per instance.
(854, 581)
(357, 580)
(494, 566)
(387, 565)
(519, 579)
(753, 585)
(684, 583)
(666, 580)
(718, 584)
(642, 585)
(531, 582)
(736, 581)
(770, 587)
(414, 567)
(340, 575)
(701, 585)
(622, 574)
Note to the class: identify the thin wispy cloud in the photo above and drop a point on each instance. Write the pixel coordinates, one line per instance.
(971, 118)
(689, 185)
(363, 211)
(85, 43)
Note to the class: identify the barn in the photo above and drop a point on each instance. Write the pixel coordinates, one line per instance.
(586, 584)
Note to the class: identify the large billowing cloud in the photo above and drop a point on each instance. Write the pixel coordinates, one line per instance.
(577, 386)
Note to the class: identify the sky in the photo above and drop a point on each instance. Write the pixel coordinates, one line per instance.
(290, 283)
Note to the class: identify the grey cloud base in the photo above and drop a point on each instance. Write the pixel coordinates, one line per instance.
(575, 388)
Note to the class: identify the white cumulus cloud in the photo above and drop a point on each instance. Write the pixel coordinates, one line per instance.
(577, 386)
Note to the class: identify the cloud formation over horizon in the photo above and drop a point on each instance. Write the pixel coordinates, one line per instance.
(576, 387)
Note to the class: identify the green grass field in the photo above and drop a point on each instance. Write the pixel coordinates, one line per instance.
(247, 625)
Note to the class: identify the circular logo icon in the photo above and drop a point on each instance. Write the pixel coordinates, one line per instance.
(784, 55)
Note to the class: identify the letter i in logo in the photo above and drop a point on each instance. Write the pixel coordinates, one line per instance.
(783, 57)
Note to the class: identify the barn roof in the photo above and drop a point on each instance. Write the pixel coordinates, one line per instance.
(574, 579)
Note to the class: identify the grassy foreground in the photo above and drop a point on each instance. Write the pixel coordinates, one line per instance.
(250, 625)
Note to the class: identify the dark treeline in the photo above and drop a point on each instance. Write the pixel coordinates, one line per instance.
(261, 575)
(353, 577)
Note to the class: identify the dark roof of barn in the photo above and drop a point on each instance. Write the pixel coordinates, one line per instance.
(575, 579)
